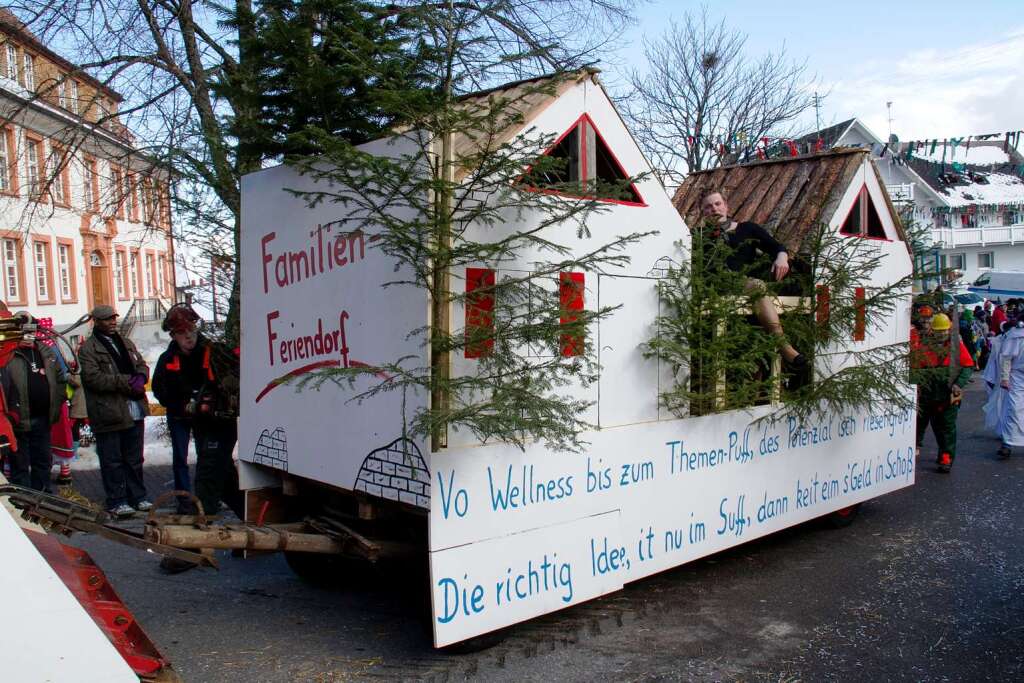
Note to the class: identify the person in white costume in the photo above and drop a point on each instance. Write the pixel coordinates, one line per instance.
(991, 373)
(1005, 407)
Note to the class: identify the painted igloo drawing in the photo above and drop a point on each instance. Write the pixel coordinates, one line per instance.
(272, 449)
(396, 472)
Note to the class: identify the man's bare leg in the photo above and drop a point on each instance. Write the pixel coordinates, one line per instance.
(769, 319)
(766, 314)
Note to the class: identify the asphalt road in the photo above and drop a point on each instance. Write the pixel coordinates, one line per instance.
(926, 585)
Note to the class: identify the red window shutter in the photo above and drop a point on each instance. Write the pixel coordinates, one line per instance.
(479, 312)
(859, 324)
(822, 305)
(571, 299)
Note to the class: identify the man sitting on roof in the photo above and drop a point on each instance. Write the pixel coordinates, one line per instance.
(744, 241)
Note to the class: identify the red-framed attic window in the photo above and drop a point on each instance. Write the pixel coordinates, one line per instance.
(863, 219)
(582, 157)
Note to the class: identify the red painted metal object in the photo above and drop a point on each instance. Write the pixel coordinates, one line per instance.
(90, 586)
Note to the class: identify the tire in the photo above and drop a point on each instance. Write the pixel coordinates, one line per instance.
(844, 517)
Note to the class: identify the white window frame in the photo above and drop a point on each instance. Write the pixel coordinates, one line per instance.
(64, 264)
(39, 267)
(150, 266)
(991, 259)
(5, 164)
(129, 197)
(10, 256)
(88, 191)
(32, 170)
(161, 275)
(147, 200)
(12, 62)
(960, 258)
(119, 275)
(62, 94)
(57, 184)
(133, 274)
(74, 97)
(29, 66)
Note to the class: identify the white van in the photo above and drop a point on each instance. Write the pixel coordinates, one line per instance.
(999, 285)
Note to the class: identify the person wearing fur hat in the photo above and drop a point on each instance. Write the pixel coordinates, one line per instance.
(176, 379)
(193, 380)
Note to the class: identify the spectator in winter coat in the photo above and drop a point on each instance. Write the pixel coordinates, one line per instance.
(188, 381)
(41, 385)
(196, 379)
(177, 379)
(996, 320)
(114, 378)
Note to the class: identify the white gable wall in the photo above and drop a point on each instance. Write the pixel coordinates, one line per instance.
(895, 264)
(628, 389)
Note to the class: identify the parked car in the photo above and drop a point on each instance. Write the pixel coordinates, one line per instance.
(966, 301)
(999, 285)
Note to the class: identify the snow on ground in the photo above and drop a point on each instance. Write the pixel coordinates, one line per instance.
(156, 449)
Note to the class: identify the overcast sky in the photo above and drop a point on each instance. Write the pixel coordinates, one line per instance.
(950, 69)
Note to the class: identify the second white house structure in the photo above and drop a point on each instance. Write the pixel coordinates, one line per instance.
(967, 194)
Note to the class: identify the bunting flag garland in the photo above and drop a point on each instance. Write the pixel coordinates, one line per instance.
(740, 147)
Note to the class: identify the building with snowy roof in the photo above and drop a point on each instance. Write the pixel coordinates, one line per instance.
(967, 194)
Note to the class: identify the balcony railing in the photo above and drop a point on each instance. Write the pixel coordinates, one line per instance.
(142, 310)
(948, 238)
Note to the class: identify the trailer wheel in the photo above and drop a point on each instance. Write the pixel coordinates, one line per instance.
(843, 517)
(321, 570)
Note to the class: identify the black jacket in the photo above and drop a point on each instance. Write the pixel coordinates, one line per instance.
(742, 247)
(178, 377)
(208, 374)
(56, 378)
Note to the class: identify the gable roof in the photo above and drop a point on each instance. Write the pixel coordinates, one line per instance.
(516, 104)
(830, 136)
(788, 196)
(833, 137)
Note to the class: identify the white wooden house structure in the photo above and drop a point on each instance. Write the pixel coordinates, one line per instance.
(84, 216)
(514, 533)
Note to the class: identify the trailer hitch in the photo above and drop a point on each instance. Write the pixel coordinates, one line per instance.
(67, 517)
